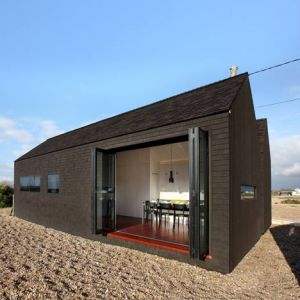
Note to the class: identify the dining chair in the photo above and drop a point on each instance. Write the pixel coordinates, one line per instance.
(147, 210)
(153, 209)
(164, 209)
(180, 210)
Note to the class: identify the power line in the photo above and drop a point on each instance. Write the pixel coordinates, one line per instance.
(280, 102)
(276, 66)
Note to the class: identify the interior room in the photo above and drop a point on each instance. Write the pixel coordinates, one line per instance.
(146, 179)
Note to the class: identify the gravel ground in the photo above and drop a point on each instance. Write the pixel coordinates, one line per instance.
(38, 263)
(285, 211)
(5, 211)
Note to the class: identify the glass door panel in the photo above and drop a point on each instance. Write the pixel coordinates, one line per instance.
(105, 191)
(198, 176)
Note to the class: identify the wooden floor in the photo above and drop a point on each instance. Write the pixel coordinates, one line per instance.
(124, 222)
(162, 232)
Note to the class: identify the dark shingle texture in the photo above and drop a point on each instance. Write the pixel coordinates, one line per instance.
(204, 101)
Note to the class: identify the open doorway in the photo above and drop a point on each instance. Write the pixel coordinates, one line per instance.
(152, 193)
(156, 192)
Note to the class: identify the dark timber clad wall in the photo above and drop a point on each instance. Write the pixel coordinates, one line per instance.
(246, 215)
(265, 171)
(70, 210)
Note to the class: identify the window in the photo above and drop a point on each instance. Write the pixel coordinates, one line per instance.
(53, 183)
(30, 183)
(247, 192)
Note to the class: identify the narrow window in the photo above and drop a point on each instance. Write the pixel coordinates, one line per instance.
(24, 183)
(53, 183)
(247, 192)
(30, 183)
(36, 184)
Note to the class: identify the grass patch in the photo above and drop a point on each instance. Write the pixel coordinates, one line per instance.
(291, 201)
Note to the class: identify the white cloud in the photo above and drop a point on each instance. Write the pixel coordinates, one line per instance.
(6, 180)
(294, 170)
(49, 129)
(22, 149)
(6, 172)
(26, 133)
(6, 166)
(43, 129)
(11, 131)
(4, 122)
(18, 137)
(285, 154)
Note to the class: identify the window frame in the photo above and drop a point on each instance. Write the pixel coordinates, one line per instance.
(53, 190)
(250, 196)
(31, 183)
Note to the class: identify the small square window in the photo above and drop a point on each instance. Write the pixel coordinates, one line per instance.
(247, 192)
(53, 183)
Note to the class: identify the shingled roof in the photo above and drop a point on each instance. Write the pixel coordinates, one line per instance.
(204, 101)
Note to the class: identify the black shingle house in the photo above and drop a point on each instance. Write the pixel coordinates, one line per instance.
(187, 176)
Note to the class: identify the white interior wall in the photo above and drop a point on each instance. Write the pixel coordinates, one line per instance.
(132, 181)
(143, 174)
(154, 174)
(160, 166)
(179, 190)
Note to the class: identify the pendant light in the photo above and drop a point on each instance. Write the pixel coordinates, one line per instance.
(171, 178)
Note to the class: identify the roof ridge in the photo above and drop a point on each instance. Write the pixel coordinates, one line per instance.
(150, 104)
(214, 98)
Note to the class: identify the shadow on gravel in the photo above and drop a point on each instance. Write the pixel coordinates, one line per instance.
(287, 238)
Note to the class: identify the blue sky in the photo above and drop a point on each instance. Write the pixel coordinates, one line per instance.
(64, 64)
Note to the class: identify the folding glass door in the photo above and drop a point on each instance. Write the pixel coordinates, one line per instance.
(198, 160)
(105, 191)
